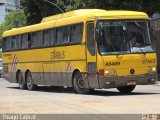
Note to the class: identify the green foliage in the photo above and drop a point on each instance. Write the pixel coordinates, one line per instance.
(37, 9)
(13, 20)
(148, 6)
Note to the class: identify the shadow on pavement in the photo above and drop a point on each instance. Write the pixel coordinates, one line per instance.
(102, 92)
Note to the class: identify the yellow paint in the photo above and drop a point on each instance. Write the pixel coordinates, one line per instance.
(42, 60)
(76, 17)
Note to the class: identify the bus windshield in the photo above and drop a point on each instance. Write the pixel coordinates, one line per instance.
(121, 37)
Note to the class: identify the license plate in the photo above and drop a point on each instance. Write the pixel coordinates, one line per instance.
(132, 82)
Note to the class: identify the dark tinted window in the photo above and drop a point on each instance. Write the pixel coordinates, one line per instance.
(14, 42)
(46, 38)
(52, 36)
(76, 33)
(34, 40)
(9, 43)
(66, 34)
(40, 38)
(4, 46)
(90, 38)
(59, 34)
(24, 41)
(19, 42)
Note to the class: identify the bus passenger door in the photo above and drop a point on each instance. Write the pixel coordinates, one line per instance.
(91, 57)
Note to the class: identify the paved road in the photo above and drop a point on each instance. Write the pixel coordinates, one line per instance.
(144, 99)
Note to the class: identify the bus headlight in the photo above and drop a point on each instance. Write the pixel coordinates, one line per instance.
(154, 69)
(107, 72)
(110, 72)
(151, 69)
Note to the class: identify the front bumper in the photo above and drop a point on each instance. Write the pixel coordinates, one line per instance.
(118, 81)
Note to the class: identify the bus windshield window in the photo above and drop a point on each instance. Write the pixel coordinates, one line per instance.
(118, 37)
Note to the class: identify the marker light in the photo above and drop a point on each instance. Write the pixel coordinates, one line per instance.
(106, 72)
(110, 72)
(154, 69)
(101, 72)
(151, 69)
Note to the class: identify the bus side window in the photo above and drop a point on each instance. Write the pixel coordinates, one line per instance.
(76, 33)
(14, 43)
(9, 44)
(46, 38)
(90, 38)
(34, 40)
(24, 41)
(19, 42)
(40, 38)
(52, 37)
(4, 43)
(59, 35)
(66, 34)
(29, 40)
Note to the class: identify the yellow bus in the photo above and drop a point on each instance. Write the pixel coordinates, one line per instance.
(85, 49)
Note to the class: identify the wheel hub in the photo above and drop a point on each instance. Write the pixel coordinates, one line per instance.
(29, 82)
(81, 83)
(20, 81)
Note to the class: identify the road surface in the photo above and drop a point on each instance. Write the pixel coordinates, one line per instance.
(47, 100)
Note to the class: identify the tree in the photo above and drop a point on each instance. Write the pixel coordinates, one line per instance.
(148, 6)
(13, 20)
(37, 9)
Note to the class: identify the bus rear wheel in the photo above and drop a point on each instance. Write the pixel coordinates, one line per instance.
(29, 81)
(126, 89)
(79, 85)
(21, 83)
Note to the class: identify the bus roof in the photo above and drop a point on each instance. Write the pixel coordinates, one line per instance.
(75, 17)
(110, 14)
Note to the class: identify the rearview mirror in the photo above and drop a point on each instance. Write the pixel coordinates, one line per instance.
(98, 30)
(153, 34)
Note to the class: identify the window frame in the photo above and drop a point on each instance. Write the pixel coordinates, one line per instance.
(52, 37)
(79, 42)
(92, 53)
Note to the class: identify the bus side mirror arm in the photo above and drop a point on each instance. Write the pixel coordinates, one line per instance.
(98, 30)
(96, 34)
(153, 34)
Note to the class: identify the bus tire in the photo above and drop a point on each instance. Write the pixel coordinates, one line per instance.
(29, 81)
(21, 83)
(78, 84)
(126, 89)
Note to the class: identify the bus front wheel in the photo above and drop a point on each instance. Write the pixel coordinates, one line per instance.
(79, 85)
(29, 81)
(126, 89)
(21, 83)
